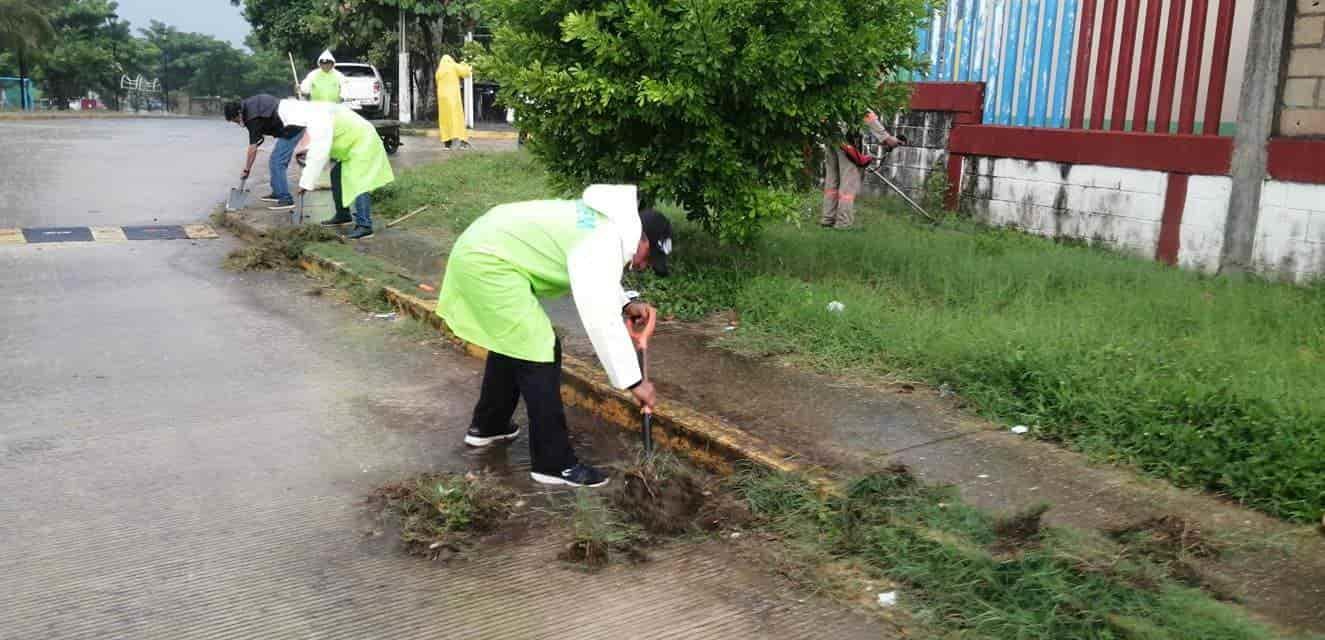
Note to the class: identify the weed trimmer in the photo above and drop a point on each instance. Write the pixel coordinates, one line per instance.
(641, 337)
(873, 168)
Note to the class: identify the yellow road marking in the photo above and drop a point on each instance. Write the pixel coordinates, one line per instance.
(200, 232)
(107, 234)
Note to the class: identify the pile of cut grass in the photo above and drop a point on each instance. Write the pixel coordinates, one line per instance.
(965, 572)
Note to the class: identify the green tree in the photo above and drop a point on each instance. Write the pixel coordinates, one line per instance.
(303, 28)
(709, 103)
(25, 27)
(367, 30)
(85, 54)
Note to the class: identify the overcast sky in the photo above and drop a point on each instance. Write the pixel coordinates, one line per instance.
(212, 17)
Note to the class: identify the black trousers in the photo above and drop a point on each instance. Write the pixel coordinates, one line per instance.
(505, 381)
(341, 211)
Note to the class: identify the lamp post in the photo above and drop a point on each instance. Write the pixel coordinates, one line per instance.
(114, 56)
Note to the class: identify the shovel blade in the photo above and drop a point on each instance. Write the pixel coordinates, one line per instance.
(238, 199)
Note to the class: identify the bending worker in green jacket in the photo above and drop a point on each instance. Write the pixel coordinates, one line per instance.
(337, 133)
(517, 253)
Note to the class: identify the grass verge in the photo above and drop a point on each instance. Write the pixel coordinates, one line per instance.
(966, 574)
(1208, 382)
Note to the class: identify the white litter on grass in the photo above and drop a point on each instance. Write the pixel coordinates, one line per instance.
(1020, 429)
(983, 476)
(887, 598)
(385, 316)
(836, 307)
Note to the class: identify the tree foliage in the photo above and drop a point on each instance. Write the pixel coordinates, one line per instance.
(366, 30)
(80, 46)
(709, 103)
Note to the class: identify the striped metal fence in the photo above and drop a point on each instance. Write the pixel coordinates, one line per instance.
(1089, 64)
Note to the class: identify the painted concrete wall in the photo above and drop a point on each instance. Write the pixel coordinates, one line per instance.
(1290, 234)
(1119, 208)
(1201, 237)
(911, 166)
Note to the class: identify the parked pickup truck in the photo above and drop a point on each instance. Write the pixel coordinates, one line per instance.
(364, 90)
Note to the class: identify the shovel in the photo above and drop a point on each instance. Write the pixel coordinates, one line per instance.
(641, 337)
(297, 216)
(238, 198)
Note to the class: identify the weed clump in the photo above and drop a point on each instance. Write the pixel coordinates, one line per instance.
(599, 533)
(279, 249)
(442, 514)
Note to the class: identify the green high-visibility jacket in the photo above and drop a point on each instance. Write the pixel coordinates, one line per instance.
(517, 253)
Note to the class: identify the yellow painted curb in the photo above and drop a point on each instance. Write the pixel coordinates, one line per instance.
(12, 236)
(107, 234)
(200, 232)
(474, 134)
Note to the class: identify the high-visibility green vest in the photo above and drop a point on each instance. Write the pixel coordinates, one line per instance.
(326, 86)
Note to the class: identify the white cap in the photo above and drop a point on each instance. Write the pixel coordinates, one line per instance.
(326, 57)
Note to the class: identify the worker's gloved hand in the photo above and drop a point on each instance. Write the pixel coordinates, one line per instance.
(301, 158)
(244, 174)
(645, 395)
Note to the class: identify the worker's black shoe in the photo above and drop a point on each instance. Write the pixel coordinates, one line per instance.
(271, 197)
(282, 206)
(476, 438)
(360, 232)
(338, 220)
(580, 475)
(464, 144)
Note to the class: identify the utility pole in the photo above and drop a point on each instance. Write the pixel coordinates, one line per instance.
(469, 91)
(404, 99)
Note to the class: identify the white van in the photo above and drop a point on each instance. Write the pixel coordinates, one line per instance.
(364, 90)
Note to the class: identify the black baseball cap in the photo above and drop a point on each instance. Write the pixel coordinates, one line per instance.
(658, 229)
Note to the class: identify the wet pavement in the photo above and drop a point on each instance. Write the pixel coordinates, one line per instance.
(184, 451)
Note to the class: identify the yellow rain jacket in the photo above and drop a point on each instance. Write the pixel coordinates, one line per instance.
(450, 113)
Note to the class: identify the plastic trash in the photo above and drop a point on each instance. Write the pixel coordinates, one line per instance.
(836, 307)
(385, 316)
(887, 598)
(1020, 429)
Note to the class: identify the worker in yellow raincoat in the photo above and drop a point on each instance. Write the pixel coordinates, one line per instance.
(337, 133)
(450, 113)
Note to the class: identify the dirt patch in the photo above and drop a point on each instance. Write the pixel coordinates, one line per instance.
(661, 505)
(1020, 530)
(1167, 537)
(280, 249)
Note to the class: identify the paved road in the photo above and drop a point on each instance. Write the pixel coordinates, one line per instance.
(183, 450)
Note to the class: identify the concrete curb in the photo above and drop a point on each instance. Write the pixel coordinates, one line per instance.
(706, 440)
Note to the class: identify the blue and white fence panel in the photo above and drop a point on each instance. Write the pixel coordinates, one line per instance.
(1021, 49)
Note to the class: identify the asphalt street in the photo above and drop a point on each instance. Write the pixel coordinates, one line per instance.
(184, 451)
